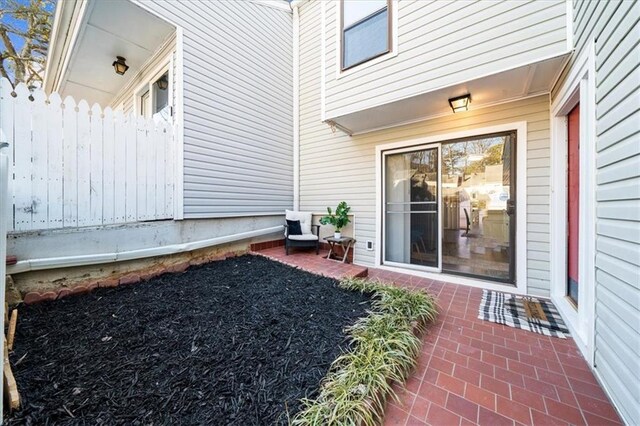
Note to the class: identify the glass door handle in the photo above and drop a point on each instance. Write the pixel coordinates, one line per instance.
(511, 207)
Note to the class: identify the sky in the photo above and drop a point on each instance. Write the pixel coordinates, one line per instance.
(9, 20)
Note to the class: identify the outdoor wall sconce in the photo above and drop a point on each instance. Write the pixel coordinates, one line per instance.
(120, 65)
(162, 83)
(460, 103)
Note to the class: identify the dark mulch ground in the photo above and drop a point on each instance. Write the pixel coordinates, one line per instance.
(233, 342)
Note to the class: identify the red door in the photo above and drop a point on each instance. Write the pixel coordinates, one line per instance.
(573, 202)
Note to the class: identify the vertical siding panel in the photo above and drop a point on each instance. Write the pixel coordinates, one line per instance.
(23, 143)
(55, 142)
(84, 163)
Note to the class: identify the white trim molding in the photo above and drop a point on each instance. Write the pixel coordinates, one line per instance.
(152, 76)
(521, 206)
(569, 17)
(389, 55)
(296, 108)
(579, 87)
(67, 25)
(178, 187)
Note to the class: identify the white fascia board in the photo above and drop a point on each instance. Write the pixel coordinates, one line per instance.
(66, 26)
(276, 4)
(56, 30)
(296, 109)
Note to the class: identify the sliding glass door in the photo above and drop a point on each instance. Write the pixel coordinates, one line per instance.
(411, 213)
(451, 207)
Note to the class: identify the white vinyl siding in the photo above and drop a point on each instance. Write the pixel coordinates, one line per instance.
(336, 167)
(613, 26)
(441, 43)
(238, 103)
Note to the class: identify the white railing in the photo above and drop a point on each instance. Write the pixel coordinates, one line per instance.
(75, 166)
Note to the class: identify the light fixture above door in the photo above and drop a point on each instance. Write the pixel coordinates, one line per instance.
(120, 65)
(460, 103)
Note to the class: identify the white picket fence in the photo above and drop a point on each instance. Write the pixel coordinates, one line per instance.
(77, 166)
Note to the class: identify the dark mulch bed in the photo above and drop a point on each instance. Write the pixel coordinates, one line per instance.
(233, 342)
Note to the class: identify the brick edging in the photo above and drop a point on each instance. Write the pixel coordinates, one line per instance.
(128, 278)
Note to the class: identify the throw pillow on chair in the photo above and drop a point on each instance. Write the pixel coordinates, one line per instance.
(294, 227)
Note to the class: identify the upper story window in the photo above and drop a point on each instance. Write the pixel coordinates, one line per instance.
(366, 30)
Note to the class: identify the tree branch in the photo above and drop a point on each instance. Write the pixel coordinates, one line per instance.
(35, 15)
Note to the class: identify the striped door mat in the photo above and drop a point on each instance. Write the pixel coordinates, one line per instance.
(527, 313)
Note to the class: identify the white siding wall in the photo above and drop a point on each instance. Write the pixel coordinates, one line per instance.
(238, 132)
(441, 43)
(615, 28)
(335, 167)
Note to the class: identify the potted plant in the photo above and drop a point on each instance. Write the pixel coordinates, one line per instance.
(339, 219)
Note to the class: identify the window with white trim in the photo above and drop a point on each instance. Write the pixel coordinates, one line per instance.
(365, 31)
(154, 98)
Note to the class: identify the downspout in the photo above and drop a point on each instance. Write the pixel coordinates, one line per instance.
(296, 107)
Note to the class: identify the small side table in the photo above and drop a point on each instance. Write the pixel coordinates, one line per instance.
(345, 242)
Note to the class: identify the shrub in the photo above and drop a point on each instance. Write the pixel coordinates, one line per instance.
(384, 350)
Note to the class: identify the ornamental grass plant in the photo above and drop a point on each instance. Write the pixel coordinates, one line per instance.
(384, 349)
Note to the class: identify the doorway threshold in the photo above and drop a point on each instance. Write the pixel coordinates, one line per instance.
(458, 279)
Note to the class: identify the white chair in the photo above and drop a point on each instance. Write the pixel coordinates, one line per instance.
(307, 238)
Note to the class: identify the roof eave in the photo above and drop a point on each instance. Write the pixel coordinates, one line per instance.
(64, 29)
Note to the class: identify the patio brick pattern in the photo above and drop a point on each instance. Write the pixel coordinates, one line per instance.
(307, 259)
(476, 372)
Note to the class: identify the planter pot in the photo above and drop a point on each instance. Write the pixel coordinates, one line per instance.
(337, 235)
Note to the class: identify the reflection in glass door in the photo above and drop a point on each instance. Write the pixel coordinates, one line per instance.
(573, 203)
(411, 199)
(451, 207)
(478, 190)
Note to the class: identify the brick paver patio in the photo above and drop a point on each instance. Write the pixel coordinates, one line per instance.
(476, 372)
(310, 261)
